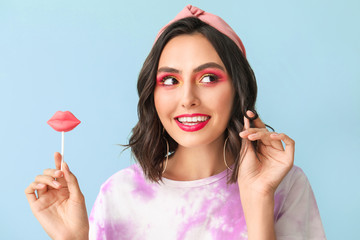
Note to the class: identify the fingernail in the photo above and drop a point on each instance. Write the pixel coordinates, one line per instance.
(58, 173)
(66, 166)
(274, 134)
(253, 135)
(40, 185)
(57, 184)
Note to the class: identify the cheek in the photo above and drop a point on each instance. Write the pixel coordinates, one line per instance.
(224, 100)
(162, 103)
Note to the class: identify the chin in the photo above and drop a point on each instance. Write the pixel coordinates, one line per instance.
(194, 141)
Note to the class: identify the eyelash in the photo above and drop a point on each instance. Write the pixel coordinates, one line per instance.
(166, 78)
(215, 77)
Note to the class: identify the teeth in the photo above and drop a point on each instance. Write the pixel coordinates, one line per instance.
(192, 120)
(189, 124)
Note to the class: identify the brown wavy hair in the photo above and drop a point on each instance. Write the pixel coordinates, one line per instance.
(147, 141)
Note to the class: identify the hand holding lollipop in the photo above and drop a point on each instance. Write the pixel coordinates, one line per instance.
(55, 197)
(63, 122)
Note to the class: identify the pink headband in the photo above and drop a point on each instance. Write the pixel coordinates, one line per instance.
(211, 19)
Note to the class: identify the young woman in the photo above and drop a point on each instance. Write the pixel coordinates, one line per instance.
(207, 168)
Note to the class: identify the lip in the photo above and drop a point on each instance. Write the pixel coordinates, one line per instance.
(193, 115)
(192, 128)
(63, 121)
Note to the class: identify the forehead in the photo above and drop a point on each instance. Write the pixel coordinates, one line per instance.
(188, 51)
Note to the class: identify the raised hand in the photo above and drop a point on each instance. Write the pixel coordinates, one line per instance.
(260, 173)
(263, 168)
(59, 204)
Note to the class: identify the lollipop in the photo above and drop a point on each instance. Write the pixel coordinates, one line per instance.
(63, 122)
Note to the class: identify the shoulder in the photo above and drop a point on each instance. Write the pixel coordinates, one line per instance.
(295, 173)
(295, 176)
(115, 202)
(295, 190)
(294, 185)
(128, 183)
(123, 178)
(296, 213)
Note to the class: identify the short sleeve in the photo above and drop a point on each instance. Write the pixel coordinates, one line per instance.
(298, 217)
(111, 215)
(103, 215)
(96, 219)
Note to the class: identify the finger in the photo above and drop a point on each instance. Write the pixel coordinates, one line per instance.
(55, 173)
(289, 143)
(58, 175)
(257, 121)
(42, 189)
(261, 134)
(72, 183)
(263, 137)
(248, 157)
(57, 157)
(246, 133)
(30, 191)
(246, 123)
(50, 181)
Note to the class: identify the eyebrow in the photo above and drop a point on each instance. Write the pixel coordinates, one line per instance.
(198, 69)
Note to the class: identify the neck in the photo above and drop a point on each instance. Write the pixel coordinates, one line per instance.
(198, 162)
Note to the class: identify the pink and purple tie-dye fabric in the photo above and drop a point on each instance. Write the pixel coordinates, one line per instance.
(130, 207)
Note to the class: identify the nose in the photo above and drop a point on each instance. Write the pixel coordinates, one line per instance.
(190, 98)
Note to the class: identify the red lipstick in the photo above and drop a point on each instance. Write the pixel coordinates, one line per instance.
(63, 121)
(192, 126)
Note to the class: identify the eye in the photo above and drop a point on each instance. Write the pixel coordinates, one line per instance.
(209, 78)
(169, 81)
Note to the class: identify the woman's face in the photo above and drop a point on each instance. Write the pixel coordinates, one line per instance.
(193, 93)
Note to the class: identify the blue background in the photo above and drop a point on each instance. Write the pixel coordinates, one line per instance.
(84, 56)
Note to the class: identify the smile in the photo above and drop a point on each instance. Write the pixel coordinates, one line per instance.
(192, 122)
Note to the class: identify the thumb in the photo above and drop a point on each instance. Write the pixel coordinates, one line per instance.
(249, 162)
(72, 183)
(248, 150)
(57, 158)
(257, 123)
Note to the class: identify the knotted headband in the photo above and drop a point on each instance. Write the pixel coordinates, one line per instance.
(211, 19)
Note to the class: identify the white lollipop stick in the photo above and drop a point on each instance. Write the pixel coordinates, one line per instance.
(62, 150)
(63, 122)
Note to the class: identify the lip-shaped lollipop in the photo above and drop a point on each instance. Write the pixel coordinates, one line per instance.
(63, 121)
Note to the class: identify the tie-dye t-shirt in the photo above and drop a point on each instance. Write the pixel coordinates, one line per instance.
(131, 207)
